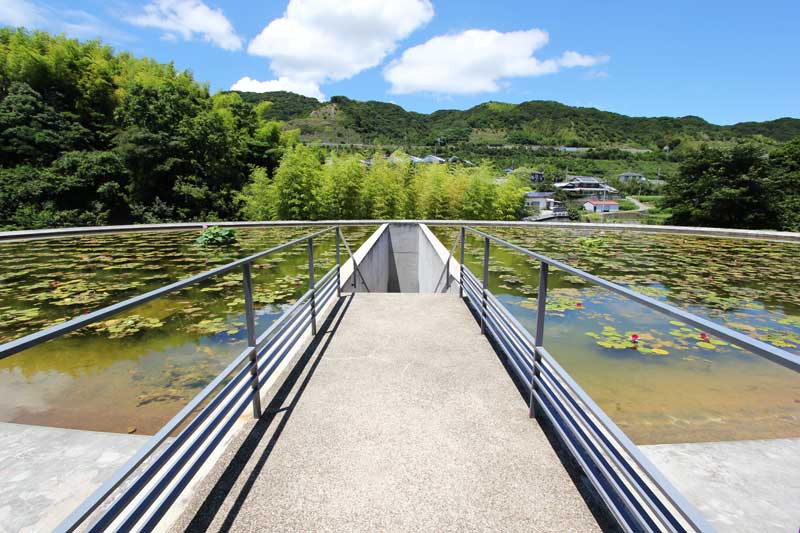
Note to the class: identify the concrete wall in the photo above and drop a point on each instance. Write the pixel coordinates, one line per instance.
(372, 259)
(399, 257)
(432, 261)
(403, 266)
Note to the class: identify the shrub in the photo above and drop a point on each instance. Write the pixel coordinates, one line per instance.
(216, 236)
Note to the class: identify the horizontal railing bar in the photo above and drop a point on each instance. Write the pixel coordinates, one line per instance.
(186, 226)
(242, 389)
(503, 313)
(281, 335)
(135, 490)
(520, 347)
(152, 469)
(511, 356)
(514, 355)
(587, 469)
(291, 309)
(611, 476)
(91, 503)
(512, 351)
(284, 325)
(28, 341)
(157, 513)
(288, 313)
(774, 354)
(324, 291)
(102, 492)
(289, 340)
(578, 415)
(525, 353)
(675, 498)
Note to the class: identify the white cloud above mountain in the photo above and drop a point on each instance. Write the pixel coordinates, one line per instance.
(477, 61)
(320, 41)
(306, 88)
(189, 19)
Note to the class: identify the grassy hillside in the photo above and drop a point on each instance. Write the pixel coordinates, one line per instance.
(529, 123)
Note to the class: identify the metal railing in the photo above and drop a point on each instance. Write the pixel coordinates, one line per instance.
(162, 468)
(53, 233)
(635, 492)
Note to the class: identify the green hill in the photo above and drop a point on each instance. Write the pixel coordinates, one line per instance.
(527, 123)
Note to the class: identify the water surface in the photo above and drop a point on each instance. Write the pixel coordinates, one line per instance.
(135, 371)
(676, 383)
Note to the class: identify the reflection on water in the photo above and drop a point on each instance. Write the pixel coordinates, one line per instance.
(674, 383)
(135, 371)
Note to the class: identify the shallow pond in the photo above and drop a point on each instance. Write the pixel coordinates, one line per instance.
(675, 383)
(135, 371)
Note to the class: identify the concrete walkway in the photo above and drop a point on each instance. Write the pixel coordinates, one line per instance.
(401, 417)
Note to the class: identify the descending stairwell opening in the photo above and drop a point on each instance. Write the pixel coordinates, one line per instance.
(402, 257)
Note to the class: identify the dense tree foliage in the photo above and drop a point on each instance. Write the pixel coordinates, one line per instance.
(88, 136)
(739, 187)
(384, 188)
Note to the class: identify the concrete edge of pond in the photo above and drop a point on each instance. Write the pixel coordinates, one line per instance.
(27, 235)
(744, 485)
(47, 471)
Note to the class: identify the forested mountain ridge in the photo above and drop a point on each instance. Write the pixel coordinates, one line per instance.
(90, 136)
(531, 123)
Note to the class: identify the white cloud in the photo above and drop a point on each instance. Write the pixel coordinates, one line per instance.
(20, 13)
(476, 61)
(306, 88)
(187, 18)
(574, 59)
(328, 40)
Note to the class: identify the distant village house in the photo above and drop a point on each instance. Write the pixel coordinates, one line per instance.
(540, 200)
(601, 206)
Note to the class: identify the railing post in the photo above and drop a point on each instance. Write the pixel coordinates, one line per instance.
(250, 318)
(538, 341)
(485, 282)
(461, 279)
(312, 287)
(339, 264)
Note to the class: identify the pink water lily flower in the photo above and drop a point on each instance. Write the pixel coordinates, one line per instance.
(634, 338)
(704, 336)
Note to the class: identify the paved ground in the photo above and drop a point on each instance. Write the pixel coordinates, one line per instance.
(403, 419)
(47, 472)
(750, 485)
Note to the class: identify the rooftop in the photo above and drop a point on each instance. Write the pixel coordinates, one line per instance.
(602, 202)
(584, 179)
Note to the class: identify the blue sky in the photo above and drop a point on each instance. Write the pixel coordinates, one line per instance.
(725, 61)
